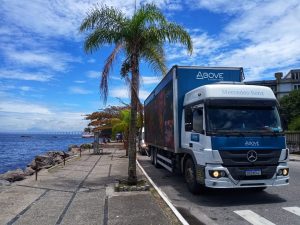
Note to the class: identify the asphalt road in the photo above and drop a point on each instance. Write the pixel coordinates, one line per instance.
(238, 207)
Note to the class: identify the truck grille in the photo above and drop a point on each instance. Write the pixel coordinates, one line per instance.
(239, 157)
(237, 163)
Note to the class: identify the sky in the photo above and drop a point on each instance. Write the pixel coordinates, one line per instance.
(48, 82)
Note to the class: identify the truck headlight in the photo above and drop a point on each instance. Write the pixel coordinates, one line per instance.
(283, 172)
(217, 173)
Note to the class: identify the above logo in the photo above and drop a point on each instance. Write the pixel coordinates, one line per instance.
(252, 156)
(252, 143)
(209, 76)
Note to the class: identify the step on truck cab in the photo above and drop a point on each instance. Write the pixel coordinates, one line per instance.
(217, 131)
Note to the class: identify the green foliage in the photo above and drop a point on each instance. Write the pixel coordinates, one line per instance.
(122, 126)
(105, 118)
(140, 37)
(295, 124)
(290, 106)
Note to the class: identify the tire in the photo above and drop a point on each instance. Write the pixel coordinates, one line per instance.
(152, 156)
(190, 177)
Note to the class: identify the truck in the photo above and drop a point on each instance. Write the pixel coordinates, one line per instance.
(218, 132)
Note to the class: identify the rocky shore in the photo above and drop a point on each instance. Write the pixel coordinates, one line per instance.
(44, 161)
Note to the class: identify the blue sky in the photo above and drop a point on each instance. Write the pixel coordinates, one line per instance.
(47, 82)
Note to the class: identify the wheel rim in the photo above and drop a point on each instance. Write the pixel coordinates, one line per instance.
(189, 174)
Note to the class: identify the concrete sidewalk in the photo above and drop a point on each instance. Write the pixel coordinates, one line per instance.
(82, 192)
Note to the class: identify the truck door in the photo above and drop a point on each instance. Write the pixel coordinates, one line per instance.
(196, 137)
(192, 138)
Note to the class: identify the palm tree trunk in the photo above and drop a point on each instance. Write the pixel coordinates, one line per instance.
(132, 178)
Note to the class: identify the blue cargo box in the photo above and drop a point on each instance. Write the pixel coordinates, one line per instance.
(166, 101)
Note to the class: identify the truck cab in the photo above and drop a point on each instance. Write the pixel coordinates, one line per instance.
(231, 137)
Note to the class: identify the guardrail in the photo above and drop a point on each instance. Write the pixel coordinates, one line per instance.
(293, 140)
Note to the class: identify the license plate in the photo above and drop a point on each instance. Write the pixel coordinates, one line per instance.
(253, 172)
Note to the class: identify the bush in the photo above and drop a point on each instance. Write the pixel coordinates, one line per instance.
(295, 124)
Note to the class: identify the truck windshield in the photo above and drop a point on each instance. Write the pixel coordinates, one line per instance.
(243, 119)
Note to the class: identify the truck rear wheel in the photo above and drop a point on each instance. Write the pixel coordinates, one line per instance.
(190, 177)
(152, 155)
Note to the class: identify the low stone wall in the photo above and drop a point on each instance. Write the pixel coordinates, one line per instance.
(44, 161)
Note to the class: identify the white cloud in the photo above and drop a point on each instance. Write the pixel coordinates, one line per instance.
(91, 60)
(79, 90)
(62, 18)
(25, 88)
(21, 75)
(80, 81)
(20, 115)
(151, 79)
(119, 92)
(16, 106)
(93, 74)
(42, 58)
(261, 36)
(123, 92)
(222, 6)
(143, 94)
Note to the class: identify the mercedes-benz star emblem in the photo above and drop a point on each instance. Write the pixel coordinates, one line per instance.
(252, 156)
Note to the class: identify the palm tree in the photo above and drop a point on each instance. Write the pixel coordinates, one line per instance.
(122, 125)
(140, 37)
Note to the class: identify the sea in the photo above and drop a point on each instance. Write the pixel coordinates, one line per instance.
(18, 150)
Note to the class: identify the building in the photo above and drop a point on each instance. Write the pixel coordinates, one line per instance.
(281, 85)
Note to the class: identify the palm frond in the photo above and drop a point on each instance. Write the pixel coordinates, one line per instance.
(148, 14)
(176, 33)
(155, 56)
(99, 37)
(106, 70)
(103, 17)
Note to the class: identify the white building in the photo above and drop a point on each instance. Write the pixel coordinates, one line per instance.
(281, 85)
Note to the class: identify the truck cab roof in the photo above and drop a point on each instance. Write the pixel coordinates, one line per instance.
(228, 91)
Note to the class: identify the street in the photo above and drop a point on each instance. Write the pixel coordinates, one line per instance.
(275, 205)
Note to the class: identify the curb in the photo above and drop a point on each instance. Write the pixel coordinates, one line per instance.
(164, 197)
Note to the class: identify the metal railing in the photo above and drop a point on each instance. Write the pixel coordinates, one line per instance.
(293, 140)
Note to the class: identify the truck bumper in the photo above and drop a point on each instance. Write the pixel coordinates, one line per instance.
(229, 182)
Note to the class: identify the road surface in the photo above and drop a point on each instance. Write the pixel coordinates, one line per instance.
(275, 205)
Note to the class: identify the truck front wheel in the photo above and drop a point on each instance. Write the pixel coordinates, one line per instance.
(190, 177)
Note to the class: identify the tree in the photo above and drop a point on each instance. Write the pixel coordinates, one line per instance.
(290, 106)
(141, 36)
(105, 118)
(294, 125)
(122, 125)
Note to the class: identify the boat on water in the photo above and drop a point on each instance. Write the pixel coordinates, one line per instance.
(87, 135)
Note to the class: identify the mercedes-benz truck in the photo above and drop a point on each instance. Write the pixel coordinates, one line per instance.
(215, 130)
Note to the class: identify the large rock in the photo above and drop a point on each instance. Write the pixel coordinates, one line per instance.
(4, 183)
(44, 161)
(72, 146)
(74, 151)
(86, 146)
(29, 171)
(14, 175)
(58, 159)
(32, 165)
